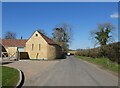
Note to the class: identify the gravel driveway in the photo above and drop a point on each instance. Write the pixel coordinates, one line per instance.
(32, 68)
(66, 72)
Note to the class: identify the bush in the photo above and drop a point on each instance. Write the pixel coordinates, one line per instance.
(63, 56)
(111, 51)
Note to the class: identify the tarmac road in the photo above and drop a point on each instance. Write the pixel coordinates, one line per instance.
(74, 72)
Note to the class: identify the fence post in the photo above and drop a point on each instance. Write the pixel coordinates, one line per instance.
(17, 55)
(1, 56)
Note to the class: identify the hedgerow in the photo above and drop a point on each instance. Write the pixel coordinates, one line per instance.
(111, 51)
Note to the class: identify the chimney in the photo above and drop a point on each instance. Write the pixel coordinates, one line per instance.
(21, 37)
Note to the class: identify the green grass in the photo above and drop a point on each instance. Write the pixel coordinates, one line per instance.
(0, 76)
(103, 62)
(10, 76)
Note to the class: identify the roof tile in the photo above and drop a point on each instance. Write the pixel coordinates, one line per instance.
(22, 42)
(14, 42)
(48, 40)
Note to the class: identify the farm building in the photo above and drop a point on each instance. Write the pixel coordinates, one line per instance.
(38, 46)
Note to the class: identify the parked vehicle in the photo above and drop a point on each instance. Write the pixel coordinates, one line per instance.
(68, 54)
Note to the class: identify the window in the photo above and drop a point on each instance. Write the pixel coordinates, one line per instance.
(32, 46)
(39, 46)
(36, 34)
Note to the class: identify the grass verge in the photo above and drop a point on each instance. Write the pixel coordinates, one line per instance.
(103, 62)
(10, 76)
(0, 76)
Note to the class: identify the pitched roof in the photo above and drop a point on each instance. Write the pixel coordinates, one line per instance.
(14, 42)
(48, 40)
(22, 42)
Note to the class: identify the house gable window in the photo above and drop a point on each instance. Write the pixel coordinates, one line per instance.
(36, 34)
(32, 46)
(39, 46)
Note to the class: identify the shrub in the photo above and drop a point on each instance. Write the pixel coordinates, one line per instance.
(111, 51)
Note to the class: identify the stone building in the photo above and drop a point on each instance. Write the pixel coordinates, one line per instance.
(38, 46)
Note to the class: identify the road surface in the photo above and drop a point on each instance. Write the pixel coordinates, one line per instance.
(74, 72)
(68, 72)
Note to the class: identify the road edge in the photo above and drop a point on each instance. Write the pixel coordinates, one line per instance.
(21, 79)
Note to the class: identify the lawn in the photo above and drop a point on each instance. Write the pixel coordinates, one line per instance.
(0, 76)
(10, 76)
(103, 62)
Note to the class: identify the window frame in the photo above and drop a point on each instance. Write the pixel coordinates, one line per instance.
(39, 47)
(36, 35)
(32, 47)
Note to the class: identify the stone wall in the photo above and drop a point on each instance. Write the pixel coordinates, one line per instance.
(11, 51)
(54, 51)
(39, 48)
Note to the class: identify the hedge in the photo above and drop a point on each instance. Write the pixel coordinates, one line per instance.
(111, 51)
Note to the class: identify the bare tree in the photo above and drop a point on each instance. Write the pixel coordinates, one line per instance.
(62, 35)
(10, 35)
